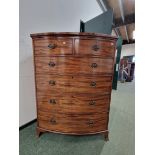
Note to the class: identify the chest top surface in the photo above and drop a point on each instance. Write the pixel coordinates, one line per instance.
(73, 34)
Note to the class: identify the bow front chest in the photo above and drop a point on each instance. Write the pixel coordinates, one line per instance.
(73, 78)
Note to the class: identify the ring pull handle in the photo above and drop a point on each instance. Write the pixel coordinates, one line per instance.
(94, 65)
(51, 64)
(93, 84)
(90, 123)
(92, 102)
(95, 47)
(53, 121)
(52, 101)
(52, 46)
(52, 82)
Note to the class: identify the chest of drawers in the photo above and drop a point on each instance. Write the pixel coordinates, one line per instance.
(73, 78)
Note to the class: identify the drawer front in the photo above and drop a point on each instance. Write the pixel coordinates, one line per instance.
(55, 46)
(70, 65)
(70, 84)
(52, 84)
(94, 47)
(76, 103)
(73, 123)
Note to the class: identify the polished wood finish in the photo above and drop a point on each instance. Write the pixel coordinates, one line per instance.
(106, 135)
(73, 65)
(94, 47)
(73, 102)
(39, 131)
(73, 122)
(76, 84)
(73, 78)
(53, 46)
(72, 34)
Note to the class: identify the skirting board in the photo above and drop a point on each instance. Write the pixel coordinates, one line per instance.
(27, 124)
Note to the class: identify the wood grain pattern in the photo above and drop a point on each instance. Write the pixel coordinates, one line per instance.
(87, 47)
(73, 79)
(70, 84)
(61, 46)
(71, 122)
(72, 65)
(73, 34)
(73, 102)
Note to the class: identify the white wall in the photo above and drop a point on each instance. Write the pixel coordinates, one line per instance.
(45, 16)
(127, 50)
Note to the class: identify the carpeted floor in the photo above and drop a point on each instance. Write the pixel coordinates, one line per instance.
(121, 126)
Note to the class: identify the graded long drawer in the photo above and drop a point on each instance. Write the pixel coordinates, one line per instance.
(69, 84)
(73, 123)
(77, 103)
(72, 65)
(53, 46)
(94, 47)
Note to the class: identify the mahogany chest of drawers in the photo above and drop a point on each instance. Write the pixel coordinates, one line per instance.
(73, 78)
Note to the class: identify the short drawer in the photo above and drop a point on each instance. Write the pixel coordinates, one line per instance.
(94, 47)
(73, 84)
(76, 103)
(70, 65)
(73, 123)
(53, 46)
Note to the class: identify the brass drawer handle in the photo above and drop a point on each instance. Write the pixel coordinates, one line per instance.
(90, 123)
(92, 102)
(93, 84)
(52, 46)
(53, 121)
(52, 101)
(94, 65)
(95, 47)
(51, 64)
(52, 83)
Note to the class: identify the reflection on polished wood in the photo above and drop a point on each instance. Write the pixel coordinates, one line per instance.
(73, 77)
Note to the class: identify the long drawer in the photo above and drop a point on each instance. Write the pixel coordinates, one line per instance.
(72, 65)
(53, 46)
(77, 103)
(73, 84)
(73, 123)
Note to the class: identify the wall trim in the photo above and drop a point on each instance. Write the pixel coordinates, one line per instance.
(27, 124)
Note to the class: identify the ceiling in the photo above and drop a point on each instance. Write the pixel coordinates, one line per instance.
(124, 17)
